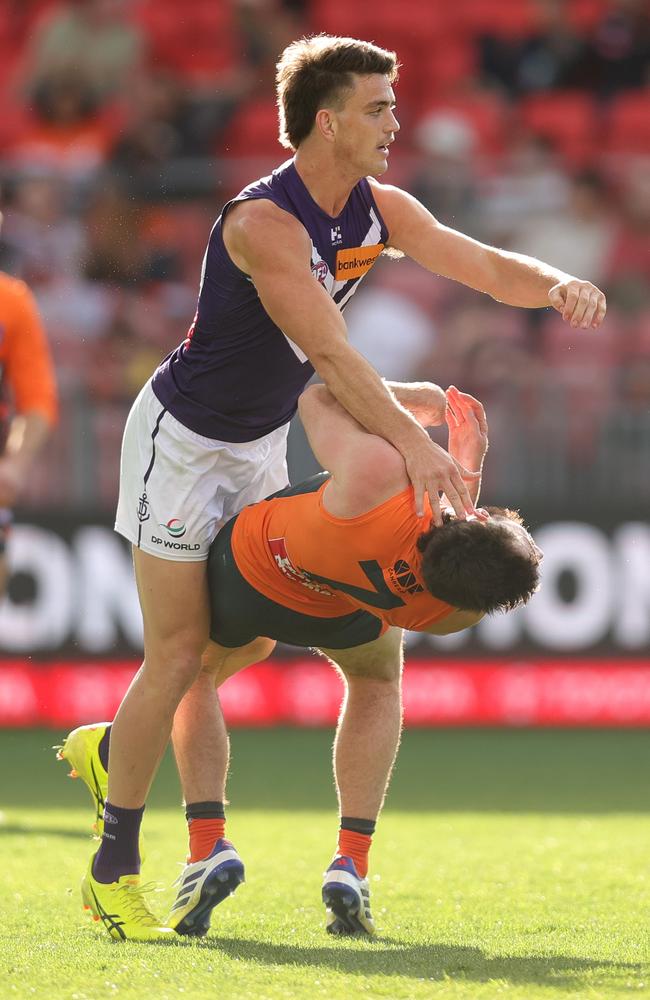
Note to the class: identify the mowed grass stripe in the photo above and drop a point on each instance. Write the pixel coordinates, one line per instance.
(546, 903)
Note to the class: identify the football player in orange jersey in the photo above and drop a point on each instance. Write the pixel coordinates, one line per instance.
(28, 398)
(455, 574)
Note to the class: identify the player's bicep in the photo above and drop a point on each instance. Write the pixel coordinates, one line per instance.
(274, 249)
(416, 232)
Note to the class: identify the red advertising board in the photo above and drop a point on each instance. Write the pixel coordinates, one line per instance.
(306, 692)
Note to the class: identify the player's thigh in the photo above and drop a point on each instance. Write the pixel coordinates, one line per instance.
(223, 661)
(381, 659)
(174, 600)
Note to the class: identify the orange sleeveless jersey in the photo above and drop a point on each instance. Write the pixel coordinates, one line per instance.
(25, 362)
(295, 553)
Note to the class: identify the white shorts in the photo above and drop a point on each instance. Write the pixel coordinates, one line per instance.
(178, 488)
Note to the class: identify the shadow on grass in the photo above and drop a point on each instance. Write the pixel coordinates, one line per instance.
(388, 957)
(8, 829)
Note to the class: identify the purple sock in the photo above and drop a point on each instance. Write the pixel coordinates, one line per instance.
(118, 853)
(102, 749)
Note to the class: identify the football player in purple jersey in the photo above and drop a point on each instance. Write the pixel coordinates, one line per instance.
(207, 434)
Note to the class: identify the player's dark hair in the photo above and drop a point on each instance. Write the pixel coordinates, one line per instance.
(317, 71)
(479, 565)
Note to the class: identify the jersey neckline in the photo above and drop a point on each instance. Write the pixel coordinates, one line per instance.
(312, 200)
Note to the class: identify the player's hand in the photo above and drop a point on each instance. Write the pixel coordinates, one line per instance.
(12, 480)
(433, 471)
(579, 303)
(468, 428)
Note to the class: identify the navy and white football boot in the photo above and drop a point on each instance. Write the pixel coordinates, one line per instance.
(347, 899)
(202, 885)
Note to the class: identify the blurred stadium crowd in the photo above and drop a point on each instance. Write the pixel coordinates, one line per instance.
(526, 123)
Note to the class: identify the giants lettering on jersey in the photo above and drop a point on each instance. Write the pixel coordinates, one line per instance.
(284, 564)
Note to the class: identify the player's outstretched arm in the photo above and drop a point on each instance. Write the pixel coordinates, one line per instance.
(508, 277)
(274, 249)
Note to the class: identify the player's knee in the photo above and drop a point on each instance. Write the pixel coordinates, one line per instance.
(176, 667)
(387, 672)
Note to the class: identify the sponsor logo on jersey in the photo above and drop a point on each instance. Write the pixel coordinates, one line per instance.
(283, 562)
(176, 546)
(403, 578)
(353, 262)
(319, 270)
(174, 527)
(335, 233)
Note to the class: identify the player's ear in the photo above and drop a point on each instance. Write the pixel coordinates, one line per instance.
(325, 122)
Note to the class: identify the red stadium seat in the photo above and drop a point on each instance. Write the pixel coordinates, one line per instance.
(384, 21)
(568, 119)
(199, 43)
(585, 14)
(442, 69)
(503, 18)
(628, 123)
(253, 132)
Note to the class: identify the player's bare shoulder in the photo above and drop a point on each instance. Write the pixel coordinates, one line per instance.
(258, 230)
(388, 197)
(398, 209)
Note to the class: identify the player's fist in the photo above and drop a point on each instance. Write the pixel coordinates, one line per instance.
(579, 302)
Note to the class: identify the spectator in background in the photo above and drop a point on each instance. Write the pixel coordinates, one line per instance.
(372, 322)
(67, 131)
(119, 363)
(445, 180)
(168, 122)
(551, 57)
(128, 242)
(91, 39)
(28, 398)
(624, 446)
(41, 237)
(529, 182)
(265, 27)
(617, 56)
(629, 260)
(578, 238)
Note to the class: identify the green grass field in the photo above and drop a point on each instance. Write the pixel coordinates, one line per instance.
(507, 863)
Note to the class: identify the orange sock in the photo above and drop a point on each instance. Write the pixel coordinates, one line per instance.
(355, 846)
(204, 833)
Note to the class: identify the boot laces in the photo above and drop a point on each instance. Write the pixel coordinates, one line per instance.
(134, 904)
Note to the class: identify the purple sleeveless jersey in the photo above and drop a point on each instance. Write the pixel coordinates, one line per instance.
(237, 376)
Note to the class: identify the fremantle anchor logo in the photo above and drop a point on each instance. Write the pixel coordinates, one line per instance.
(143, 508)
